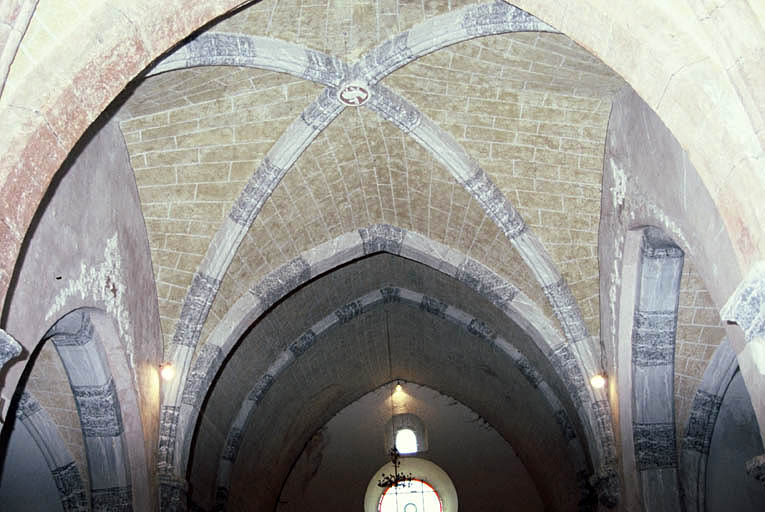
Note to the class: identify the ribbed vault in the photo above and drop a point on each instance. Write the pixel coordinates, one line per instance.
(276, 209)
(475, 146)
(530, 107)
(352, 358)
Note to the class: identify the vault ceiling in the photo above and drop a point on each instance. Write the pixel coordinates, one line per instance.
(342, 29)
(285, 421)
(362, 170)
(352, 358)
(531, 108)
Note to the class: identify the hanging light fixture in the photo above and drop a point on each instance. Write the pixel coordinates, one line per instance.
(394, 478)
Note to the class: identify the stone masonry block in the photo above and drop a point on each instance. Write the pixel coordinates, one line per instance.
(701, 422)
(100, 413)
(205, 367)
(70, 487)
(653, 338)
(112, 499)
(655, 445)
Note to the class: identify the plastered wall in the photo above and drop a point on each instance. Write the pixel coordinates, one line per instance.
(88, 249)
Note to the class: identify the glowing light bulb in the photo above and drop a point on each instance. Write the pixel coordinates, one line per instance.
(399, 388)
(167, 371)
(598, 381)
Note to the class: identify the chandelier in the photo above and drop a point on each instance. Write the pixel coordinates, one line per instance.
(395, 478)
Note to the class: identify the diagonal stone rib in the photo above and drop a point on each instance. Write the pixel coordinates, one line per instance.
(480, 20)
(227, 239)
(467, 172)
(222, 49)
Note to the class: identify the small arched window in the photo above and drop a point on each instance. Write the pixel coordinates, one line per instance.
(406, 441)
(407, 433)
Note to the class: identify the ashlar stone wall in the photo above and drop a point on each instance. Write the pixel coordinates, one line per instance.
(699, 333)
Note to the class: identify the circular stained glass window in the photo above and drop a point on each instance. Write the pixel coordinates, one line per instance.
(414, 496)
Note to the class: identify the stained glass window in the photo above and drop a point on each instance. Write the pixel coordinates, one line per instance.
(414, 496)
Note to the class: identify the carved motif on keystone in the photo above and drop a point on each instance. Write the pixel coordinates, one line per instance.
(258, 189)
(701, 422)
(496, 205)
(529, 372)
(654, 445)
(395, 109)
(113, 499)
(756, 468)
(205, 367)
(479, 328)
(746, 307)
(498, 17)
(99, 408)
(282, 281)
(653, 338)
(354, 94)
(382, 238)
(195, 308)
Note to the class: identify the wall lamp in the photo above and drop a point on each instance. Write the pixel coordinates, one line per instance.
(167, 371)
(598, 381)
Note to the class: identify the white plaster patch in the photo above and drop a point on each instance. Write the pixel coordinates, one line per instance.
(615, 283)
(103, 283)
(619, 190)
